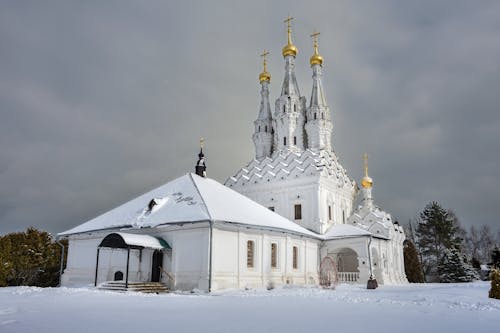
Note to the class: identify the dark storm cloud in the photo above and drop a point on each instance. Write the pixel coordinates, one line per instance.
(101, 101)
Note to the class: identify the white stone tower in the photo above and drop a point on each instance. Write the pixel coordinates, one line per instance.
(319, 125)
(302, 179)
(263, 133)
(289, 114)
(368, 216)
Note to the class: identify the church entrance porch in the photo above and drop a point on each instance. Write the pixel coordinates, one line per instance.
(130, 262)
(347, 265)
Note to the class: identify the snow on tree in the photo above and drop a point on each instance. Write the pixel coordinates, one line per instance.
(453, 268)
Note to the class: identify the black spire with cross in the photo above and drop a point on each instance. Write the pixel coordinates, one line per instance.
(201, 168)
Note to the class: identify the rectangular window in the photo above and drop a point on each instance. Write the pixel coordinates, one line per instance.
(295, 140)
(250, 254)
(343, 216)
(329, 213)
(298, 212)
(284, 141)
(274, 255)
(295, 262)
(271, 208)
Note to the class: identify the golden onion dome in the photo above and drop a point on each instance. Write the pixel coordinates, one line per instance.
(290, 49)
(366, 182)
(316, 59)
(264, 76)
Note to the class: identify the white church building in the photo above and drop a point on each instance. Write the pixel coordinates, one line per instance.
(288, 217)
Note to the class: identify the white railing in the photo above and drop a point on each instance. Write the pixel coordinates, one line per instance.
(347, 277)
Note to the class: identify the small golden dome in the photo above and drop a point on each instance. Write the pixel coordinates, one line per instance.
(264, 76)
(366, 182)
(316, 59)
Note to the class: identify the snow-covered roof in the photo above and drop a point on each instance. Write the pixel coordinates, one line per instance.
(289, 164)
(345, 230)
(189, 198)
(134, 240)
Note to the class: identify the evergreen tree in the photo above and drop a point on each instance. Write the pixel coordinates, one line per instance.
(453, 268)
(436, 232)
(495, 284)
(413, 268)
(30, 258)
(5, 262)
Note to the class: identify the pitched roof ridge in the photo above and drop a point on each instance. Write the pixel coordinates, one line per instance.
(201, 196)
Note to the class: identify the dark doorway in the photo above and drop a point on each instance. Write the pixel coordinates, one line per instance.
(118, 276)
(157, 266)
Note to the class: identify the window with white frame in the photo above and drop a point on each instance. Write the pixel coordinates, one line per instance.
(295, 257)
(274, 255)
(250, 253)
(298, 212)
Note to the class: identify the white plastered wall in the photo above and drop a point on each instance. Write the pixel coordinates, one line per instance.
(229, 263)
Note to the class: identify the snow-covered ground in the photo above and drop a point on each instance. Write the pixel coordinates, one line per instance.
(413, 308)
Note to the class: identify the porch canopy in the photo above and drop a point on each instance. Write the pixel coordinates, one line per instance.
(121, 240)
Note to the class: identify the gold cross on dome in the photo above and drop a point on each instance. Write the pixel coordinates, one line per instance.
(202, 142)
(289, 28)
(264, 55)
(315, 37)
(365, 160)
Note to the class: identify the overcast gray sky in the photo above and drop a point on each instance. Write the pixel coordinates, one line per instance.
(101, 101)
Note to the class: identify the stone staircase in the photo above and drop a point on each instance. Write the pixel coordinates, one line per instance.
(141, 287)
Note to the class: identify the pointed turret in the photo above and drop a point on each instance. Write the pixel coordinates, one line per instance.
(290, 86)
(319, 125)
(201, 168)
(290, 106)
(263, 136)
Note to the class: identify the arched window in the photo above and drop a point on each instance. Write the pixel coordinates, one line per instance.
(295, 107)
(250, 253)
(322, 115)
(259, 128)
(265, 128)
(315, 116)
(329, 213)
(284, 140)
(274, 255)
(295, 140)
(118, 276)
(295, 261)
(284, 108)
(343, 216)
